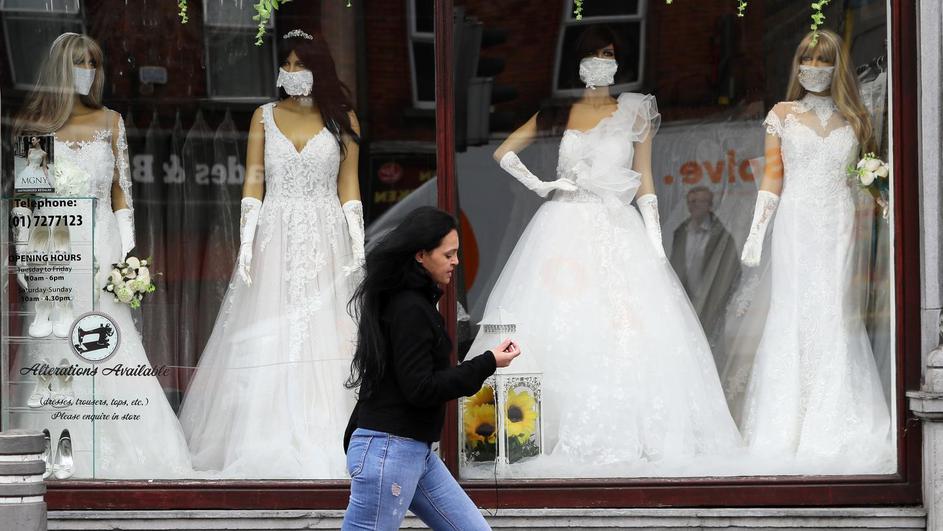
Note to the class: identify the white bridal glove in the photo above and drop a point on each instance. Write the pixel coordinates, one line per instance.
(247, 223)
(513, 165)
(21, 238)
(766, 203)
(353, 212)
(125, 219)
(648, 207)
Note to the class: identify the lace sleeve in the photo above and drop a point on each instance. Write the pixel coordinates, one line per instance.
(774, 126)
(646, 120)
(122, 165)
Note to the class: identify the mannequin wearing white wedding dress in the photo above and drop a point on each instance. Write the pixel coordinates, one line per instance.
(149, 443)
(268, 398)
(629, 386)
(814, 403)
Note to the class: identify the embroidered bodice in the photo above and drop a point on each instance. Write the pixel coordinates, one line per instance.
(818, 145)
(291, 174)
(599, 160)
(88, 167)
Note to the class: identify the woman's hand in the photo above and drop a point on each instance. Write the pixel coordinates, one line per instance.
(505, 352)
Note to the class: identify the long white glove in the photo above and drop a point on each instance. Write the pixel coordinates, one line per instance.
(513, 165)
(353, 212)
(125, 219)
(766, 203)
(247, 223)
(648, 207)
(21, 234)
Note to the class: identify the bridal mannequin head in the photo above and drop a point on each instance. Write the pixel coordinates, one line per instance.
(809, 65)
(597, 49)
(301, 52)
(34, 142)
(73, 62)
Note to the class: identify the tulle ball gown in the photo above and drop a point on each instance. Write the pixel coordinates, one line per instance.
(268, 398)
(629, 382)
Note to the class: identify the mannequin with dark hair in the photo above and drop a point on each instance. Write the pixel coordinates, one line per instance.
(284, 335)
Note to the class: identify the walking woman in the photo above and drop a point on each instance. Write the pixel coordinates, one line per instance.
(402, 370)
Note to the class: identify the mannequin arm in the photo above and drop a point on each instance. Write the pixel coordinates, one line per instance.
(348, 181)
(255, 158)
(767, 199)
(773, 169)
(519, 139)
(642, 163)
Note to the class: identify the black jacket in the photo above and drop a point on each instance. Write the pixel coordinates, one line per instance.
(419, 379)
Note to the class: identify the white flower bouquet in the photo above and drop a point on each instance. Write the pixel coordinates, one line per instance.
(71, 179)
(130, 281)
(873, 175)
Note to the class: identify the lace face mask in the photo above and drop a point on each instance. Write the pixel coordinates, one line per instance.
(816, 78)
(83, 79)
(295, 83)
(598, 72)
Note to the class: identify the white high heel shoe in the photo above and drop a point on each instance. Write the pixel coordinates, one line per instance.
(41, 327)
(47, 453)
(64, 464)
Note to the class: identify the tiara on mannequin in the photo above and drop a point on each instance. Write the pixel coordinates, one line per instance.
(298, 33)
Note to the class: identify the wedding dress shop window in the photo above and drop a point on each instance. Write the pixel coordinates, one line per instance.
(694, 252)
(26, 24)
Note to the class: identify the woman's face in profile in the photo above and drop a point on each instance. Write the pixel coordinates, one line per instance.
(34, 141)
(440, 262)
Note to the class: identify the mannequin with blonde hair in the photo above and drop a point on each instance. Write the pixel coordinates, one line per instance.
(90, 140)
(814, 394)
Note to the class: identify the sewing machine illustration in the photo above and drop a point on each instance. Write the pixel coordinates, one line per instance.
(102, 334)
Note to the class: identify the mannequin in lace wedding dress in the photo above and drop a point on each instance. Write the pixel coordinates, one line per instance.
(629, 385)
(91, 139)
(268, 398)
(814, 403)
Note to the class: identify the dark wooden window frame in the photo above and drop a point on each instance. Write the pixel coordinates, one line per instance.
(902, 488)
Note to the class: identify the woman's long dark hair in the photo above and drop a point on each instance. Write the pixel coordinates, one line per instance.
(389, 267)
(553, 117)
(329, 92)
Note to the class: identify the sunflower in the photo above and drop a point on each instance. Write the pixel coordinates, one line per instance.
(481, 424)
(484, 396)
(521, 413)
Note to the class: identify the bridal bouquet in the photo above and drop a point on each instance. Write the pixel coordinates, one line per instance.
(130, 280)
(71, 179)
(872, 174)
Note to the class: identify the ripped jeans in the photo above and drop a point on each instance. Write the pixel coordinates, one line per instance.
(391, 474)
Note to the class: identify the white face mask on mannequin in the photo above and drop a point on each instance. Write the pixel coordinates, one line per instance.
(83, 79)
(295, 83)
(816, 78)
(598, 71)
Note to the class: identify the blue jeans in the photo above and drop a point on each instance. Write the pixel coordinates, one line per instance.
(391, 474)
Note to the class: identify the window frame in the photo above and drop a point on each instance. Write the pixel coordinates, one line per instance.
(902, 488)
(413, 37)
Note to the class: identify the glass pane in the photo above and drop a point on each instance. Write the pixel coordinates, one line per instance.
(700, 288)
(28, 33)
(229, 55)
(215, 375)
(48, 6)
(424, 64)
(232, 13)
(609, 8)
(425, 15)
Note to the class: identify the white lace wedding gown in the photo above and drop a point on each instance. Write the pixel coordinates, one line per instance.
(268, 398)
(153, 446)
(815, 404)
(629, 382)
